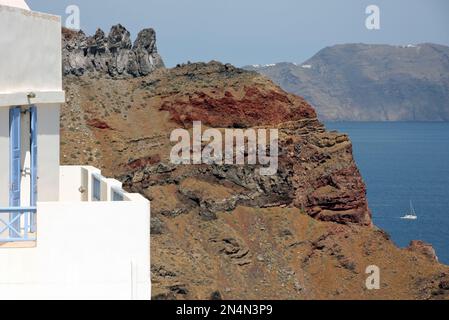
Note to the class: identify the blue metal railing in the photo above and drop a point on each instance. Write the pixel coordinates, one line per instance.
(15, 231)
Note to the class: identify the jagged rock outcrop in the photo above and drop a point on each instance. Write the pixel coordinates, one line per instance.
(113, 54)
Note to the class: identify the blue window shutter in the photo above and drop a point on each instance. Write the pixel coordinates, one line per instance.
(96, 188)
(117, 195)
(15, 166)
(33, 154)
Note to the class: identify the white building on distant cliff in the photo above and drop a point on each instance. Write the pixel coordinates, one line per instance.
(66, 232)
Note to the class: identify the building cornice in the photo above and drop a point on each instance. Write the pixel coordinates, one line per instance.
(35, 97)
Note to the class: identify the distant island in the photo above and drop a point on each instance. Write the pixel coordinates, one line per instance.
(361, 82)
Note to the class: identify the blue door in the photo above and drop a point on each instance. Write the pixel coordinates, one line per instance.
(33, 156)
(14, 171)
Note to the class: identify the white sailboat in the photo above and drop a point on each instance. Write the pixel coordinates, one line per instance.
(412, 215)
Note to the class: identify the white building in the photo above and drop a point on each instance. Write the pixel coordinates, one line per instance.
(66, 232)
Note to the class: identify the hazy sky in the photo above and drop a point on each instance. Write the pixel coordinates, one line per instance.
(260, 31)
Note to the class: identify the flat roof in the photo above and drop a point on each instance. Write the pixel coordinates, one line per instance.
(15, 3)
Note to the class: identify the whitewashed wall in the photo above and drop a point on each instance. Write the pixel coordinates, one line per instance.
(15, 3)
(30, 61)
(69, 183)
(4, 165)
(4, 157)
(30, 55)
(85, 250)
(48, 152)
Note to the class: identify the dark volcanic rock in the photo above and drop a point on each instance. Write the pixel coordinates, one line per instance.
(157, 226)
(145, 49)
(112, 54)
(444, 284)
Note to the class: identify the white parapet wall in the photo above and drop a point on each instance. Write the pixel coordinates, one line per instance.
(84, 249)
(76, 184)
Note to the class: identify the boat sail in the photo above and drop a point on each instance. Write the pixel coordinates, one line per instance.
(412, 215)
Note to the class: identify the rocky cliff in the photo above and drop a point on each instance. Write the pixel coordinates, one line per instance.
(371, 82)
(113, 54)
(226, 231)
(316, 172)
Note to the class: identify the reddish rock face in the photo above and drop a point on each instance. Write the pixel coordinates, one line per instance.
(423, 248)
(99, 124)
(255, 108)
(328, 184)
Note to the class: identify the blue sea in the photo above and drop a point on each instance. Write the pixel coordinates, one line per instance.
(403, 161)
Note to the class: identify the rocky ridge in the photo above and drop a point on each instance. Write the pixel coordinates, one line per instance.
(113, 54)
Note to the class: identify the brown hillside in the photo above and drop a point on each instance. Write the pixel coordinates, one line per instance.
(227, 231)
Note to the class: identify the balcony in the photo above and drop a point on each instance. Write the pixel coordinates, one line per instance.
(86, 184)
(77, 184)
(93, 243)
